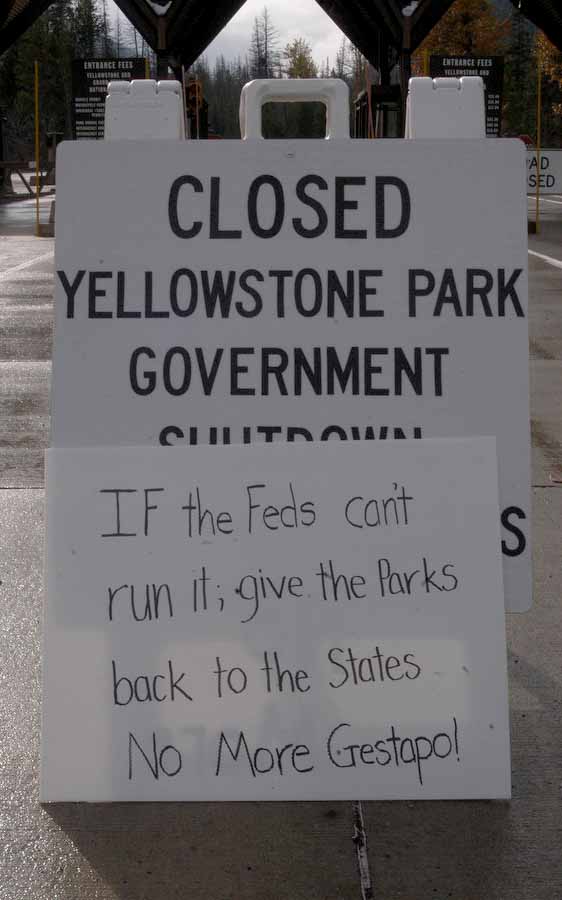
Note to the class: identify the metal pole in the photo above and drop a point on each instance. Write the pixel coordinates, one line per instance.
(405, 68)
(360, 841)
(162, 62)
(426, 63)
(538, 191)
(37, 223)
(184, 100)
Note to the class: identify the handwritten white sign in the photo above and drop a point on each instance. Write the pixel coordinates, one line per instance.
(285, 622)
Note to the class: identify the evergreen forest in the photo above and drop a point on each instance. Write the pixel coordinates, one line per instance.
(72, 29)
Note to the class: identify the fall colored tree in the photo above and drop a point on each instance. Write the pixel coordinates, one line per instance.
(549, 64)
(469, 28)
(549, 57)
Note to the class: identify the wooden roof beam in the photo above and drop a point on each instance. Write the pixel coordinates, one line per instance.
(425, 17)
(12, 30)
(193, 24)
(546, 15)
(143, 18)
(6, 10)
(359, 22)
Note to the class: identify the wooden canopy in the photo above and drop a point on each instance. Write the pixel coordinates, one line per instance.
(180, 30)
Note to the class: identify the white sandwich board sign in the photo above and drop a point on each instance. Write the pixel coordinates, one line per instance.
(263, 623)
(297, 290)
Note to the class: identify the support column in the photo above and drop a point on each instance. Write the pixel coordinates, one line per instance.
(405, 67)
(162, 65)
(162, 53)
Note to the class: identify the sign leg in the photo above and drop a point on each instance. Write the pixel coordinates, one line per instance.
(360, 841)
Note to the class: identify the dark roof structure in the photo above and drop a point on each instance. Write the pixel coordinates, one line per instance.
(180, 30)
(16, 16)
(546, 15)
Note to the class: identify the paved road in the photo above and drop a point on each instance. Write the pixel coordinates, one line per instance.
(19, 216)
(26, 316)
(416, 851)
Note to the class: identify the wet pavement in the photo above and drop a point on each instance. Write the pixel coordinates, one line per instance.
(204, 851)
(26, 325)
(18, 216)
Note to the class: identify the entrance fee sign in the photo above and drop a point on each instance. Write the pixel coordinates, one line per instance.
(547, 170)
(287, 622)
(489, 69)
(90, 78)
(302, 290)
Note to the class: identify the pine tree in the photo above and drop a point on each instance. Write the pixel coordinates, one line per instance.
(357, 77)
(264, 53)
(58, 73)
(342, 68)
(548, 61)
(69, 29)
(300, 119)
(298, 61)
(520, 80)
(106, 29)
(133, 39)
(325, 70)
(87, 28)
(118, 44)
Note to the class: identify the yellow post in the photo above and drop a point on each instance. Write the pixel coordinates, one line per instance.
(537, 196)
(426, 63)
(146, 68)
(37, 223)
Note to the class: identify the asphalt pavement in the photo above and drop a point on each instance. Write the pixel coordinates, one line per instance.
(414, 851)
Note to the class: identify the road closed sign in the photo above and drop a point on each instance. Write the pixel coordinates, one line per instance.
(544, 171)
(238, 292)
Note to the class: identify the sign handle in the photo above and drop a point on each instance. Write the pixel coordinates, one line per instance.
(333, 92)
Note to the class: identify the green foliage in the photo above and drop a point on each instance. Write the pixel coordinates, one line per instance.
(75, 28)
(298, 61)
(222, 85)
(87, 28)
(489, 27)
(67, 30)
(520, 80)
(300, 120)
(49, 42)
(468, 28)
(221, 89)
(527, 49)
(549, 59)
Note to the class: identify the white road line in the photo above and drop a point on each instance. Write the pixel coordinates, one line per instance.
(25, 277)
(557, 263)
(26, 265)
(545, 200)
